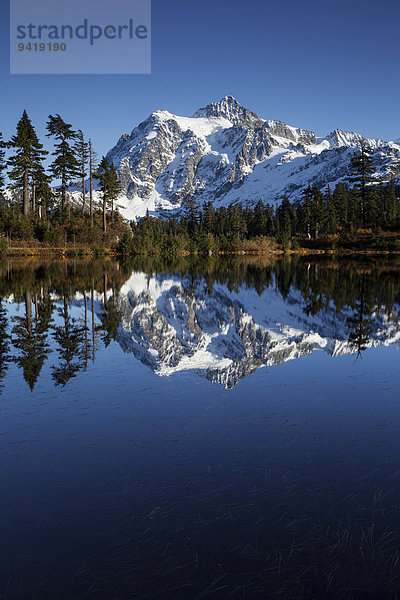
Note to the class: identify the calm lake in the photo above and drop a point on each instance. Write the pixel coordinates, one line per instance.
(212, 428)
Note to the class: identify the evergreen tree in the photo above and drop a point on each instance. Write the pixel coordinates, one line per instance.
(109, 186)
(65, 165)
(68, 337)
(41, 190)
(305, 211)
(27, 159)
(284, 223)
(331, 218)
(236, 222)
(191, 213)
(318, 212)
(31, 341)
(222, 221)
(390, 203)
(354, 212)
(374, 215)
(208, 218)
(260, 219)
(114, 189)
(271, 225)
(361, 164)
(82, 152)
(340, 203)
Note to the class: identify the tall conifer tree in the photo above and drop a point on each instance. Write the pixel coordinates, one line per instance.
(65, 165)
(40, 186)
(43, 193)
(191, 212)
(361, 163)
(260, 219)
(283, 215)
(28, 156)
(109, 185)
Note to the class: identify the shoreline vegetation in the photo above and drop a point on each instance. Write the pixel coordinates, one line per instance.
(381, 245)
(85, 253)
(235, 231)
(299, 228)
(225, 231)
(362, 216)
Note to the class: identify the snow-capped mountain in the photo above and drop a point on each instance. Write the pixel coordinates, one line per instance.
(226, 153)
(171, 326)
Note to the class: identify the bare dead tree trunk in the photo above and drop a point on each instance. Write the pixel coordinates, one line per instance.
(91, 180)
(83, 165)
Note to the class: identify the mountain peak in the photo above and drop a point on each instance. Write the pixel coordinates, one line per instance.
(231, 102)
(227, 154)
(339, 138)
(229, 108)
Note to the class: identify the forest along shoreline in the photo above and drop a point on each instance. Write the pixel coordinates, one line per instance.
(38, 219)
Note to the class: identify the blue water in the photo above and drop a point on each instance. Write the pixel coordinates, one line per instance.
(124, 483)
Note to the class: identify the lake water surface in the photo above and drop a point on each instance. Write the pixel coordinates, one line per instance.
(215, 428)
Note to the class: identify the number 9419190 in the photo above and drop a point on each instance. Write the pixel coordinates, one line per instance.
(42, 47)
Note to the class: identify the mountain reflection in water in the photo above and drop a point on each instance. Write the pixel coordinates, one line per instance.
(223, 318)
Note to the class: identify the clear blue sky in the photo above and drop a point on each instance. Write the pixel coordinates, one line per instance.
(313, 64)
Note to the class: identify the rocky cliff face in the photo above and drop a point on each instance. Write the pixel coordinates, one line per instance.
(173, 325)
(226, 153)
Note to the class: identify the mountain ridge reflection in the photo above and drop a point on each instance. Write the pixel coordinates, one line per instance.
(222, 318)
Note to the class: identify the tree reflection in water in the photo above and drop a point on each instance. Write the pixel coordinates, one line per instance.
(358, 292)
